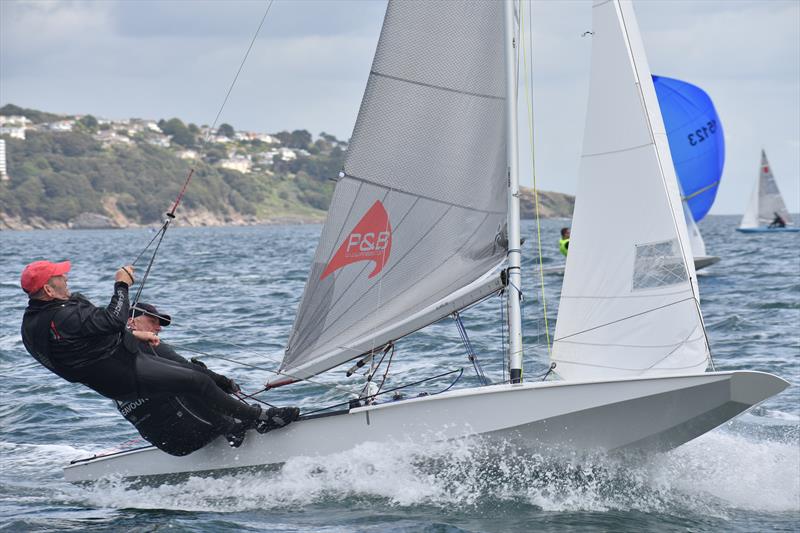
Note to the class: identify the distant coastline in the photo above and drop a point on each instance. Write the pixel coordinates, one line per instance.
(86, 172)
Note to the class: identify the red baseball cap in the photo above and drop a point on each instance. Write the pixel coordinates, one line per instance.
(36, 275)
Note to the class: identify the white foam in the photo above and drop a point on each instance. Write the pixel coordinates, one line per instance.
(712, 475)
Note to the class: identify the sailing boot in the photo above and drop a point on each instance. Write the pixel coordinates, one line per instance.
(235, 436)
(276, 417)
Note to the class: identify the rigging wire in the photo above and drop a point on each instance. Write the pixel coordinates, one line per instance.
(503, 332)
(387, 391)
(529, 101)
(471, 355)
(171, 213)
(686, 250)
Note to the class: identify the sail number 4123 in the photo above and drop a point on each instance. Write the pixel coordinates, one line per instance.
(701, 134)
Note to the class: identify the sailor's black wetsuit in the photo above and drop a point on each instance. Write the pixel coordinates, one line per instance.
(88, 344)
(177, 425)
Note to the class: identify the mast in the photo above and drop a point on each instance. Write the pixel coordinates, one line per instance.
(512, 170)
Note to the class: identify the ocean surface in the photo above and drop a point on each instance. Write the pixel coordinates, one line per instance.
(233, 292)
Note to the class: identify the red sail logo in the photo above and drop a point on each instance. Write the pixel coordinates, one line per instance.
(370, 240)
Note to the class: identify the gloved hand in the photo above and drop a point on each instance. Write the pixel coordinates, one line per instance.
(198, 362)
(231, 387)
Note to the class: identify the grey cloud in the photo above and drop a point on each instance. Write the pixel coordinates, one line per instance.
(202, 18)
(309, 66)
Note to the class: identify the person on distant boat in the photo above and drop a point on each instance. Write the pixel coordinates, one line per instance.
(563, 243)
(778, 222)
(177, 425)
(91, 345)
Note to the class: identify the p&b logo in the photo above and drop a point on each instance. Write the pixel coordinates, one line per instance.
(370, 240)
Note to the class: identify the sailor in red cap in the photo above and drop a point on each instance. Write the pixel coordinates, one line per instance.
(83, 343)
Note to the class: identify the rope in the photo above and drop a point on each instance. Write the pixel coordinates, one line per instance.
(263, 369)
(171, 213)
(549, 370)
(528, 101)
(150, 264)
(387, 391)
(243, 397)
(149, 243)
(241, 66)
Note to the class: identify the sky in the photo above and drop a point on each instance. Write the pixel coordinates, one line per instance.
(308, 69)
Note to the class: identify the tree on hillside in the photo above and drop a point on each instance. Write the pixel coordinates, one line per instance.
(226, 130)
(90, 123)
(177, 129)
(37, 117)
(215, 153)
(328, 137)
(300, 139)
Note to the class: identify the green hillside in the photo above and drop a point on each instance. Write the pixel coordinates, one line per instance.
(131, 171)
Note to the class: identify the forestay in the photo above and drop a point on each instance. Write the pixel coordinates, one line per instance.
(765, 201)
(628, 303)
(418, 213)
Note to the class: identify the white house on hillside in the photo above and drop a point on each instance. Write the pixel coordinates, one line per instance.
(13, 132)
(3, 169)
(61, 125)
(14, 120)
(242, 164)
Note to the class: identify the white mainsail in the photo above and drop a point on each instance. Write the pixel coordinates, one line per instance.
(418, 214)
(765, 201)
(629, 300)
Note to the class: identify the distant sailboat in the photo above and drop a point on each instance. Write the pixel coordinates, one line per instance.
(697, 144)
(417, 229)
(766, 205)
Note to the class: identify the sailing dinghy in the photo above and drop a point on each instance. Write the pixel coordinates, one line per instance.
(427, 207)
(765, 204)
(697, 144)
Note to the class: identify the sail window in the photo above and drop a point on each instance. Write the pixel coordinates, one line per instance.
(658, 264)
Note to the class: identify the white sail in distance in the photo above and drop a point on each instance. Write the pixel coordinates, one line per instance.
(419, 211)
(697, 244)
(765, 201)
(629, 300)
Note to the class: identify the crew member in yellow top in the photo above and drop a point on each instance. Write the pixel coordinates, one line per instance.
(563, 243)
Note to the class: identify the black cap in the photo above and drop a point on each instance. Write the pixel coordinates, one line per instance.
(146, 309)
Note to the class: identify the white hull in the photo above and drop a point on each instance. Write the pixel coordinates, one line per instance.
(702, 261)
(649, 414)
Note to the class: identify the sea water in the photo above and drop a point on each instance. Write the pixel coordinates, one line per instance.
(233, 292)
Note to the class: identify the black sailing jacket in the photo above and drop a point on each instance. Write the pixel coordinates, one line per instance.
(175, 424)
(68, 336)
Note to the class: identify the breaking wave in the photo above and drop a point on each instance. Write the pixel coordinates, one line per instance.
(712, 475)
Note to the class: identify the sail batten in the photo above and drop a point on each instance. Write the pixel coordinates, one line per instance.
(419, 214)
(422, 196)
(629, 298)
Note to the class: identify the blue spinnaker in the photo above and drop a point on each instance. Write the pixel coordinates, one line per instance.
(696, 141)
